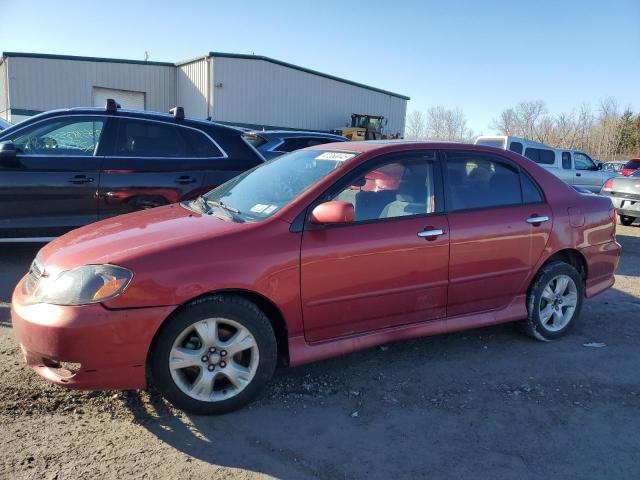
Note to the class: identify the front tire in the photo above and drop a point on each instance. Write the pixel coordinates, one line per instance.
(554, 301)
(627, 220)
(214, 356)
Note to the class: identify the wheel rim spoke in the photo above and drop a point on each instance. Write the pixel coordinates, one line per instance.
(208, 332)
(548, 294)
(557, 318)
(545, 314)
(183, 358)
(570, 300)
(240, 341)
(561, 285)
(237, 374)
(202, 387)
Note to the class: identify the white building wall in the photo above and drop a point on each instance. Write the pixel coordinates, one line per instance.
(4, 93)
(193, 86)
(261, 92)
(40, 84)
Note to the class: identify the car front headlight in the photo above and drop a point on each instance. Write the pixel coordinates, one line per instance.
(83, 285)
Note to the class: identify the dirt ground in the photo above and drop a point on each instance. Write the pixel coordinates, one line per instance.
(487, 403)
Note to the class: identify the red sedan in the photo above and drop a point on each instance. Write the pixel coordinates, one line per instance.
(630, 167)
(320, 252)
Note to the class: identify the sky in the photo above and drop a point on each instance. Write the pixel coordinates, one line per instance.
(480, 56)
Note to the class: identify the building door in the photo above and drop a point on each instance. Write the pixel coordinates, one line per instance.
(128, 99)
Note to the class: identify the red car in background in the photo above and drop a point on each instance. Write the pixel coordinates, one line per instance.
(630, 167)
(317, 253)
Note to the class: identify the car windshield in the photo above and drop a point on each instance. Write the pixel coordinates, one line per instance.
(261, 192)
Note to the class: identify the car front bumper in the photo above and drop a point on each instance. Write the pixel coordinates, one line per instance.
(86, 347)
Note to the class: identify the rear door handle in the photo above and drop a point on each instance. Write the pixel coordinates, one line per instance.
(578, 174)
(185, 179)
(431, 234)
(536, 220)
(80, 179)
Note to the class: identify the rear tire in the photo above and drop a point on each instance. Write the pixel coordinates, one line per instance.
(554, 301)
(214, 356)
(627, 220)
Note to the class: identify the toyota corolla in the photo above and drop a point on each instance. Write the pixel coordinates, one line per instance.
(320, 252)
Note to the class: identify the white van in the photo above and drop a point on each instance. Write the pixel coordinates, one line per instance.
(574, 167)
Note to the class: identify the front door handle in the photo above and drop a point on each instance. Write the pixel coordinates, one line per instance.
(431, 234)
(537, 220)
(185, 179)
(77, 179)
(578, 174)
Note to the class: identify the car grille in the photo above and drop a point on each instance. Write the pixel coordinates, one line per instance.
(35, 272)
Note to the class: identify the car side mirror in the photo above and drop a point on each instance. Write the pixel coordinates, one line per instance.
(333, 213)
(599, 166)
(8, 153)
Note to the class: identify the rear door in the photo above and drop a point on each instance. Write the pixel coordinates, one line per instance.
(495, 241)
(51, 187)
(152, 163)
(383, 269)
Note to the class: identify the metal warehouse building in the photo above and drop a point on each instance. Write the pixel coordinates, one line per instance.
(245, 90)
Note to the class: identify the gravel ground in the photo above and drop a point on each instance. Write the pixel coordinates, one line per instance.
(486, 403)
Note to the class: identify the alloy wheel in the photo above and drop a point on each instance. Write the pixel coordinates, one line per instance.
(558, 303)
(213, 359)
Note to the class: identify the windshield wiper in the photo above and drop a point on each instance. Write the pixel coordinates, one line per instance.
(223, 206)
(235, 213)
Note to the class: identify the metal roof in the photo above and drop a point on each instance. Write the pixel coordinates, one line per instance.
(211, 54)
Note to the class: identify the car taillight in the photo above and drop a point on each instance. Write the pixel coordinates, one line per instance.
(608, 185)
(627, 171)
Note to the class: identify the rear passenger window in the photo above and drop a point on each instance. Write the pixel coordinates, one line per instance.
(479, 181)
(200, 145)
(139, 138)
(530, 191)
(566, 160)
(541, 155)
(516, 147)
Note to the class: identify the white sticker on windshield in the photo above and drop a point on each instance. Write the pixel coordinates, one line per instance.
(335, 156)
(259, 208)
(269, 209)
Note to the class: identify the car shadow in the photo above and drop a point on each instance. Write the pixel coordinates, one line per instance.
(14, 263)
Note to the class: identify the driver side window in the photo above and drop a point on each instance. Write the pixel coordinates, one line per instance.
(70, 136)
(582, 162)
(399, 188)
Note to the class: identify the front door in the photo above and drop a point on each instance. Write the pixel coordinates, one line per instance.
(390, 266)
(499, 225)
(587, 174)
(51, 186)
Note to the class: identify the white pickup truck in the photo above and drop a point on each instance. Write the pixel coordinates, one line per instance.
(574, 167)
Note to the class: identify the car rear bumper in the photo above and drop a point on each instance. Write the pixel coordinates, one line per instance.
(602, 261)
(626, 206)
(86, 347)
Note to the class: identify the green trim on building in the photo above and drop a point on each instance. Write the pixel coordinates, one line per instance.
(22, 111)
(84, 59)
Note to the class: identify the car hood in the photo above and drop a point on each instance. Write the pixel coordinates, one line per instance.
(123, 239)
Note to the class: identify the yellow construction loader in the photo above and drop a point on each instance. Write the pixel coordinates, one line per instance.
(364, 127)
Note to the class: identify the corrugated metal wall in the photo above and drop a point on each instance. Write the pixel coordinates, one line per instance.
(44, 84)
(261, 92)
(192, 88)
(3, 91)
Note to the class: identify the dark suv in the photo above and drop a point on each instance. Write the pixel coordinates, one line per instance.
(66, 168)
(273, 143)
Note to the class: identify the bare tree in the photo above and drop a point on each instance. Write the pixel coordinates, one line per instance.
(416, 127)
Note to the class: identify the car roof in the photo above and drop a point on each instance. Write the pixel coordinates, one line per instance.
(141, 114)
(399, 145)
